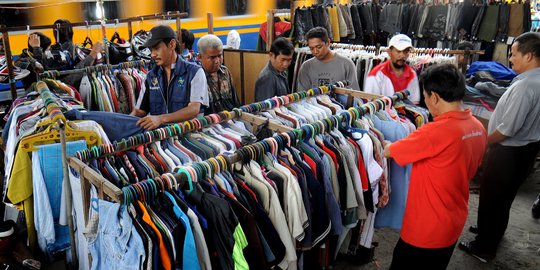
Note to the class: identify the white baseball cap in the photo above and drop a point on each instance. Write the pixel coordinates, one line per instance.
(400, 42)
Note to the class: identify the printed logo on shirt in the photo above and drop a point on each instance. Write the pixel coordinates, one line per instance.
(181, 81)
(324, 81)
(154, 84)
(472, 134)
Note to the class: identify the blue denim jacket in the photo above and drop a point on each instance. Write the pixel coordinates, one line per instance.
(113, 241)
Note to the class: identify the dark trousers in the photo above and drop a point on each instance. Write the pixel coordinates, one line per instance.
(407, 256)
(506, 168)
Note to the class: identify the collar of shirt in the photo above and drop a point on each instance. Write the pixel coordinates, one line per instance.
(454, 114)
(403, 80)
(273, 70)
(527, 74)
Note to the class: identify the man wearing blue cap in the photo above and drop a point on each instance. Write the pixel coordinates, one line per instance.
(175, 89)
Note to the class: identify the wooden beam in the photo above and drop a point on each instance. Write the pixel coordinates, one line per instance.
(356, 93)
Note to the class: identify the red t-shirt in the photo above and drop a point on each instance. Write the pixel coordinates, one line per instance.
(445, 155)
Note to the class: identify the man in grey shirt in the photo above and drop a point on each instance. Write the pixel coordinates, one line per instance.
(514, 139)
(273, 79)
(326, 66)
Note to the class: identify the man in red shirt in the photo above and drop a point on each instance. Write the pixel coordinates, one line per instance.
(394, 75)
(445, 155)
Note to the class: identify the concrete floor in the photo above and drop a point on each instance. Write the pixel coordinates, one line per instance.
(520, 248)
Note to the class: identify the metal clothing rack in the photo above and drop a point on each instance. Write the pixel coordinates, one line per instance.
(467, 53)
(107, 190)
(58, 119)
(101, 67)
(7, 48)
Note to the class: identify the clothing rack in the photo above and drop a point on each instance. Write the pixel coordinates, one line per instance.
(101, 67)
(58, 119)
(222, 162)
(7, 48)
(195, 124)
(270, 24)
(467, 53)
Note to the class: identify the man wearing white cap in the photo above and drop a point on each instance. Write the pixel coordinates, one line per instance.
(394, 75)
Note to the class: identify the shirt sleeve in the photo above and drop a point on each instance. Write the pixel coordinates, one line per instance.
(516, 112)
(415, 147)
(372, 85)
(414, 90)
(199, 88)
(143, 102)
(303, 78)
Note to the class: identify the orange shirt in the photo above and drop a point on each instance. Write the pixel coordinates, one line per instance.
(445, 155)
(163, 253)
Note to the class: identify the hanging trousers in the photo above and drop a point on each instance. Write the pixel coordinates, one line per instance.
(407, 256)
(506, 168)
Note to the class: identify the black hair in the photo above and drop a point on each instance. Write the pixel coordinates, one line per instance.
(529, 43)
(177, 49)
(282, 46)
(188, 38)
(445, 80)
(465, 45)
(63, 32)
(317, 32)
(44, 41)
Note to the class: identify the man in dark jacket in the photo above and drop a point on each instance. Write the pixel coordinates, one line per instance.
(273, 79)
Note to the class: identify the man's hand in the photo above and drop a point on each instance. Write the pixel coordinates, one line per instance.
(34, 41)
(150, 122)
(97, 48)
(386, 145)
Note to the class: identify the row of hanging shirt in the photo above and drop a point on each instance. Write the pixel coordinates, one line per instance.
(366, 60)
(393, 127)
(113, 91)
(33, 180)
(303, 112)
(297, 200)
(154, 159)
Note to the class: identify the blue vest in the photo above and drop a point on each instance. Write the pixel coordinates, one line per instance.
(179, 90)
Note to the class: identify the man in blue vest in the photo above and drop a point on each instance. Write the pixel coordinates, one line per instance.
(175, 89)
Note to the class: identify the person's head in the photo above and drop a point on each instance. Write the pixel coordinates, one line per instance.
(281, 53)
(163, 45)
(63, 32)
(187, 39)
(526, 52)
(442, 84)
(44, 43)
(211, 52)
(465, 45)
(399, 48)
(318, 43)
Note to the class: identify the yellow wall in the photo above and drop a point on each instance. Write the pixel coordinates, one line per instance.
(57, 10)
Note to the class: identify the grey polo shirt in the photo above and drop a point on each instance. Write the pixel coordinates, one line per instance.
(517, 114)
(271, 83)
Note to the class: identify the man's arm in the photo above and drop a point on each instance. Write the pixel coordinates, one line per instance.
(304, 82)
(154, 121)
(496, 137)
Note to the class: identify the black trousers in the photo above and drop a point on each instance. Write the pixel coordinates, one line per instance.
(407, 256)
(506, 168)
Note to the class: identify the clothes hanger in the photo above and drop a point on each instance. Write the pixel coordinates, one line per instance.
(87, 40)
